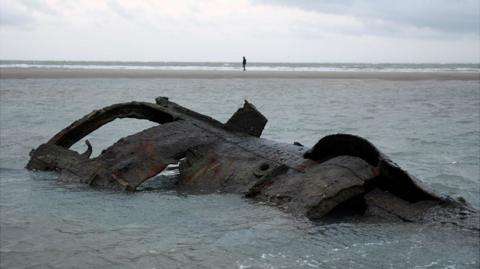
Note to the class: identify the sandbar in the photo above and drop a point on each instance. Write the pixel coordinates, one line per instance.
(69, 73)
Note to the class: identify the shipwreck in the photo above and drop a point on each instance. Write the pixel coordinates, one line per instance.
(341, 177)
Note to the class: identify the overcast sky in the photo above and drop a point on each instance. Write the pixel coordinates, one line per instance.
(225, 30)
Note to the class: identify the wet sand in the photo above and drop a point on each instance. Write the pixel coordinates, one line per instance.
(24, 73)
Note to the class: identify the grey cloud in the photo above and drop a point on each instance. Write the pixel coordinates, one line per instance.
(454, 16)
(11, 15)
(22, 12)
(120, 10)
(8, 18)
(38, 6)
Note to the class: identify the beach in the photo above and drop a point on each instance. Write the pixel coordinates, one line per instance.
(66, 73)
(84, 87)
(363, 102)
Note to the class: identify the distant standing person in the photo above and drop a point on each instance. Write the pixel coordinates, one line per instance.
(244, 63)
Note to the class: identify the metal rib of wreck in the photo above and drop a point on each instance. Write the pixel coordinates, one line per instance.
(342, 175)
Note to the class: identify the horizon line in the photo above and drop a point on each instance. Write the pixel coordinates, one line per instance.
(275, 62)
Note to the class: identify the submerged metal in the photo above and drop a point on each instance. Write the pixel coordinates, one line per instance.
(342, 177)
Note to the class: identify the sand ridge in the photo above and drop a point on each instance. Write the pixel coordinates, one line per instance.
(63, 73)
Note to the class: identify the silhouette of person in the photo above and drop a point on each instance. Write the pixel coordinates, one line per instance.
(244, 63)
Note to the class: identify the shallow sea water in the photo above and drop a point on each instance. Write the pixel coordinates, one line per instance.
(430, 128)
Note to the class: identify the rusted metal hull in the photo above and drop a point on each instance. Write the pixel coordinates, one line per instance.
(342, 176)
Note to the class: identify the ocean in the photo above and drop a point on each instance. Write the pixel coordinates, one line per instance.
(431, 128)
(254, 66)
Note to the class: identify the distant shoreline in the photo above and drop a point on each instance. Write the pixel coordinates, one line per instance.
(68, 73)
